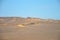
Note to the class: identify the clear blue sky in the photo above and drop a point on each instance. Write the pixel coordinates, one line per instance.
(30, 8)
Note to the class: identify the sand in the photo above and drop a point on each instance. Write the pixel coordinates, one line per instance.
(41, 31)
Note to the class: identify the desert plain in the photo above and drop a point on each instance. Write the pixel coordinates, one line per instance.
(17, 28)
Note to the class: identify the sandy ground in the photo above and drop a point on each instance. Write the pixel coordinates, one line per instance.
(32, 29)
(43, 31)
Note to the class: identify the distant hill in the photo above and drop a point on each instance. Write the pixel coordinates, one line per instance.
(25, 21)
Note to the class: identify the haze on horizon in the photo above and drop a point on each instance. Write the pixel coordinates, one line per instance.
(30, 8)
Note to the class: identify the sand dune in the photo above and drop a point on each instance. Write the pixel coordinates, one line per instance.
(15, 28)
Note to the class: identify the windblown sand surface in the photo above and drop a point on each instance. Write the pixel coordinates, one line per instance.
(29, 29)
